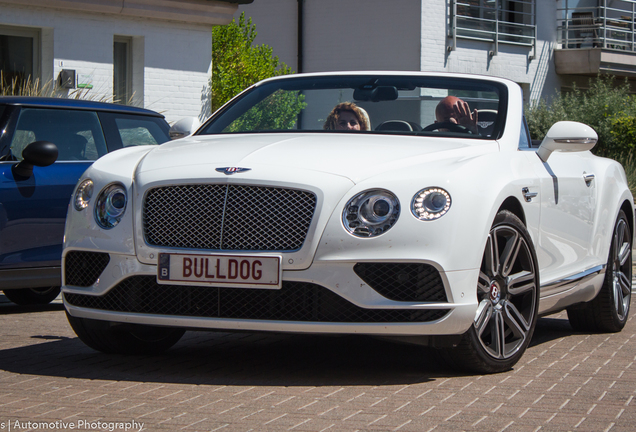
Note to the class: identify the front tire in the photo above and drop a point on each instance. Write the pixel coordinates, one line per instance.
(609, 310)
(115, 338)
(32, 296)
(508, 300)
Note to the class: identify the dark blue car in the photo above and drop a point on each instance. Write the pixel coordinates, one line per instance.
(45, 146)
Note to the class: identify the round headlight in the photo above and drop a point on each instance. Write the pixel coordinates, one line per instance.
(83, 195)
(371, 213)
(430, 203)
(110, 205)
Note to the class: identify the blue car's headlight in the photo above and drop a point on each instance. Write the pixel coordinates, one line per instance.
(430, 203)
(83, 195)
(371, 213)
(111, 205)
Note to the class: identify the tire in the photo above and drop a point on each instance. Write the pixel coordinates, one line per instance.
(115, 338)
(508, 301)
(32, 296)
(609, 310)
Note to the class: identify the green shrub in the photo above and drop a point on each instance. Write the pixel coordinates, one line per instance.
(623, 132)
(607, 107)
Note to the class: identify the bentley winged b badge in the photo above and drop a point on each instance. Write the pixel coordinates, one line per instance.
(232, 170)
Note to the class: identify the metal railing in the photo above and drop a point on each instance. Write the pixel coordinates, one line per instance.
(603, 26)
(490, 21)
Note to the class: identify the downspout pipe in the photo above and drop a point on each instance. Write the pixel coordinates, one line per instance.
(301, 25)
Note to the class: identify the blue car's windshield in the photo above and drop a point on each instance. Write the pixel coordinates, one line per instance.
(411, 105)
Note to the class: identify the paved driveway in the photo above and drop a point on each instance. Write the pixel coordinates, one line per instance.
(49, 380)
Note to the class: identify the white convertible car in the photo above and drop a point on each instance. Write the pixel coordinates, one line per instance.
(351, 203)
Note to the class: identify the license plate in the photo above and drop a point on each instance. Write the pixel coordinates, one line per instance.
(220, 270)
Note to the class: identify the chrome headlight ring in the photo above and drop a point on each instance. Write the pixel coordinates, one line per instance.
(371, 213)
(110, 205)
(430, 203)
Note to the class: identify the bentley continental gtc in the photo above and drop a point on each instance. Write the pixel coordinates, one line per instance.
(411, 206)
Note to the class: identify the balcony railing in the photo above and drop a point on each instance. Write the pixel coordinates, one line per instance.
(490, 21)
(597, 27)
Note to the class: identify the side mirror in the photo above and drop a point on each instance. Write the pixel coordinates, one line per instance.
(184, 127)
(567, 136)
(38, 153)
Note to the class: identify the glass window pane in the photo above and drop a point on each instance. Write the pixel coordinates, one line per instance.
(140, 131)
(121, 78)
(77, 134)
(16, 58)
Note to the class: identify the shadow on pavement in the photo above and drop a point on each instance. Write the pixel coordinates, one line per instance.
(550, 328)
(12, 308)
(249, 359)
(236, 359)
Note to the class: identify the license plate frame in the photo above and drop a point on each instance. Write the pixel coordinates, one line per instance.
(220, 270)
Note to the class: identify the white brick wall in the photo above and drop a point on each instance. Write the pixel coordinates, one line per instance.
(176, 57)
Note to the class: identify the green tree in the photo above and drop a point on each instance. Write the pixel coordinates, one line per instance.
(237, 63)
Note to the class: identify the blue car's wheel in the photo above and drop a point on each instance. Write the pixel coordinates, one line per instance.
(32, 296)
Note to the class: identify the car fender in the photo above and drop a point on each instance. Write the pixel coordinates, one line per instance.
(613, 193)
(81, 230)
(453, 242)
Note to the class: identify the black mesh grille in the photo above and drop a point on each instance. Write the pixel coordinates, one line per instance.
(403, 281)
(227, 217)
(84, 268)
(295, 301)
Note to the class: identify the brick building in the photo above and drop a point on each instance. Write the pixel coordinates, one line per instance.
(157, 53)
(544, 45)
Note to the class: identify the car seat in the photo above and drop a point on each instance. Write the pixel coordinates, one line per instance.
(72, 147)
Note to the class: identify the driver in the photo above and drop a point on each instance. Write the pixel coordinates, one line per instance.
(453, 109)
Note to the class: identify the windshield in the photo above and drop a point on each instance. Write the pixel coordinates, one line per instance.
(405, 105)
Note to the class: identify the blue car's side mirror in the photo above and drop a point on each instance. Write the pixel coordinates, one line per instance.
(38, 153)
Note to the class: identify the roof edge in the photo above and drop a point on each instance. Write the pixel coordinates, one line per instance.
(205, 12)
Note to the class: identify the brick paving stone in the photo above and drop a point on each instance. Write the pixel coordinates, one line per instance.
(566, 381)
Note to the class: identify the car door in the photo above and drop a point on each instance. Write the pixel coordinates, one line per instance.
(33, 210)
(567, 196)
(568, 200)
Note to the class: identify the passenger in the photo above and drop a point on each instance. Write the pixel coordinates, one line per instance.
(453, 109)
(347, 116)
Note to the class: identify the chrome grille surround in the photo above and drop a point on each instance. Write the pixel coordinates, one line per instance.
(227, 217)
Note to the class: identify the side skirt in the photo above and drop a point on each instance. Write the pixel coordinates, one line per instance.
(578, 288)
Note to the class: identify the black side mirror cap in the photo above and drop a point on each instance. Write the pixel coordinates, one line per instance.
(38, 153)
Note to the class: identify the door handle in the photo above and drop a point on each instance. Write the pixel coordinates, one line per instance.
(527, 195)
(588, 178)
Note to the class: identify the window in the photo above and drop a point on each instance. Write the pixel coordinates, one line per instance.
(77, 134)
(498, 21)
(139, 131)
(19, 50)
(122, 70)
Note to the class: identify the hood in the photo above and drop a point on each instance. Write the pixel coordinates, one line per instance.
(353, 156)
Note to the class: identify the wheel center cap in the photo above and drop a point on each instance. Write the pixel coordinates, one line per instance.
(495, 292)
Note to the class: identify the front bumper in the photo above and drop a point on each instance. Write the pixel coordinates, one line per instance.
(328, 297)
